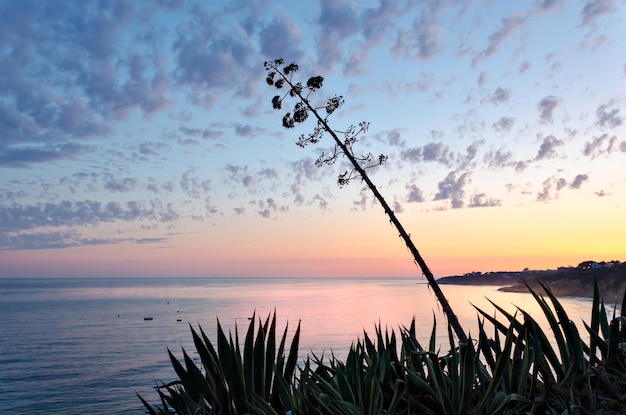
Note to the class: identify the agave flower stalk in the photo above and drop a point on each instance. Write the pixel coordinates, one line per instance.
(278, 76)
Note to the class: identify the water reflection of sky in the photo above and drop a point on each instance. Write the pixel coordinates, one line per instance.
(332, 312)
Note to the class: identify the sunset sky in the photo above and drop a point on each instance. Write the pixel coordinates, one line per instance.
(138, 138)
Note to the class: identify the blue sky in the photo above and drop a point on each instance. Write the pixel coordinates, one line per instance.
(138, 138)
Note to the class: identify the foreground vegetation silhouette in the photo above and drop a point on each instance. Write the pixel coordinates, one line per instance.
(514, 367)
(282, 79)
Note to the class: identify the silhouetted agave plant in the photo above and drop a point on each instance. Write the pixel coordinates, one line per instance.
(518, 368)
(259, 381)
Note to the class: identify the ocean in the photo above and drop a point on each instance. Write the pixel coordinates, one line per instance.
(70, 346)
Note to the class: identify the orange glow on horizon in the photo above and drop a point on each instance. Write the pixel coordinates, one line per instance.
(362, 244)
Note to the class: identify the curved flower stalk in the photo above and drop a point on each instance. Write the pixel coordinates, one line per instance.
(282, 79)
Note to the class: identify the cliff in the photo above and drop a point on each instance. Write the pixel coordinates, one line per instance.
(574, 282)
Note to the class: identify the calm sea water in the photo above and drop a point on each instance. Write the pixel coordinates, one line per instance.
(84, 346)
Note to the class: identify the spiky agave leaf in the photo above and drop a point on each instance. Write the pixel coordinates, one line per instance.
(234, 380)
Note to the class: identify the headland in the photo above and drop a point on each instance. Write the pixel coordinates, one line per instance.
(563, 282)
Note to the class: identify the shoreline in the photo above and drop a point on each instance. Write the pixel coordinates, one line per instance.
(563, 282)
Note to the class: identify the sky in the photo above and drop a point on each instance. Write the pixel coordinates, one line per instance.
(138, 138)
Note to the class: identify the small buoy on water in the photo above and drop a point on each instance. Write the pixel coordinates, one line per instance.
(148, 318)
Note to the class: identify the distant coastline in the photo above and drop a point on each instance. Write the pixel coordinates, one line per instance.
(563, 281)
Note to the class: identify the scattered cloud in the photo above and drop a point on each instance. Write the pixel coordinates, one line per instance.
(547, 106)
(282, 37)
(593, 9)
(67, 213)
(206, 57)
(248, 131)
(523, 67)
(337, 21)
(265, 208)
(305, 170)
(481, 200)
(206, 133)
(391, 138)
(415, 195)
(452, 188)
(397, 207)
(319, 201)
(152, 240)
(547, 148)
(22, 157)
(193, 186)
(504, 124)
(422, 41)
(608, 117)
(125, 185)
(553, 185)
(499, 96)
(374, 23)
(362, 203)
(507, 26)
(600, 145)
(578, 181)
(547, 5)
(147, 149)
(498, 159)
(50, 240)
(430, 152)
(544, 194)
